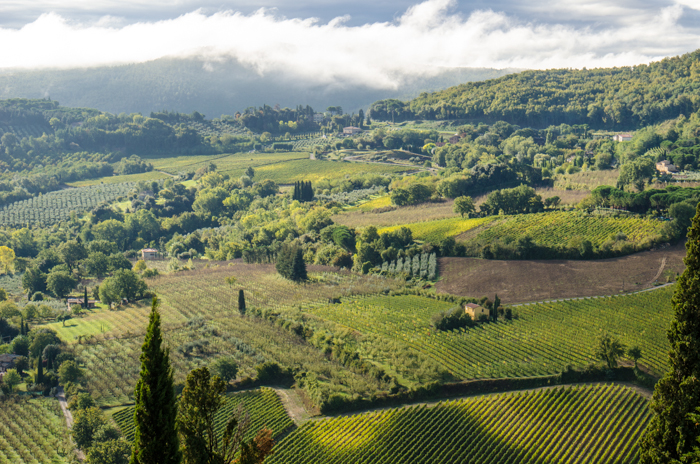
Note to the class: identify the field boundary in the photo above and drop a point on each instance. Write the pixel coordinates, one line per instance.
(594, 297)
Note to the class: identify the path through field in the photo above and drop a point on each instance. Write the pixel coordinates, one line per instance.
(69, 417)
(293, 404)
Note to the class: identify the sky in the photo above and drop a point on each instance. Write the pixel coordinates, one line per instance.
(377, 43)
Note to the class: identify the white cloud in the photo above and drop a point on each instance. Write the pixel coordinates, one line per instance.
(426, 37)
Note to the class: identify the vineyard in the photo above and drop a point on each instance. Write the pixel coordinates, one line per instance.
(543, 338)
(264, 407)
(30, 130)
(201, 321)
(33, 431)
(127, 178)
(57, 206)
(437, 231)
(586, 424)
(558, 228)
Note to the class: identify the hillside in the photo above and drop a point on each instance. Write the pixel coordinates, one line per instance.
(222, 87)
(610, 98)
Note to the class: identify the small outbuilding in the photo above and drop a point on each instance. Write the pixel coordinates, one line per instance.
(622, 137)
(79, 301)
(475, 311)
(7, 361)
(351, 130)
(149, 253)
(666, 167)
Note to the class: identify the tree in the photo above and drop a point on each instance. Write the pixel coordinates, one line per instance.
(125, 283)
(109, 452)
(226, 368)
(60, 283)
(97, 264)
(34, 281)
(86, 425)
(290, 263)
(49, 354)
(69, 372)
(464, 205)
(41, 339)
(672, 432)
(635, 353)
(201, 399)
(140, 266)
(250, 172)
(241, 301)
(71, 252)
(7, 259)
(155, 416)
(637, 173)
(12, 378)
(609, 350)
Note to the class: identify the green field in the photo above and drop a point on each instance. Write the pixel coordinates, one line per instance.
(232, 164)
(543, 338)
(264, 407)
(57, 206)
(437, 231)
(585, 424)
(33, 431)
(558, 228)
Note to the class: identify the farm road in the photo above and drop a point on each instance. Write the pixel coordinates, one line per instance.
(594, 297)
(69, 417)
(293, 404)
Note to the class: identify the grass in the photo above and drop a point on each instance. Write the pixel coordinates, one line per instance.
(586, 180)
(543, 338)
(379, 202)
(437, 231)
(315, 170)
(233, 164)
(598, 423)
(366, 216)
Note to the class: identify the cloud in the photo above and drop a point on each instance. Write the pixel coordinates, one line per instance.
(426, 38)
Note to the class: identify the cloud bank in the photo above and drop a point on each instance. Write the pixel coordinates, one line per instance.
(425, 39)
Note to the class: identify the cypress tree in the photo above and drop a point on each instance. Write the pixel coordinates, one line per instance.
(155, 437)
(672, 433)
(298, 266)
(40, 370)
(241, 302)
(85, 299)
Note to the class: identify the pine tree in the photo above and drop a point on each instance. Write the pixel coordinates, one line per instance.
(241, 302)
(672, 432)
(155, 417)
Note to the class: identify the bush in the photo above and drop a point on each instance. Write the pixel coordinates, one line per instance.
(453, 318)
(271, 372)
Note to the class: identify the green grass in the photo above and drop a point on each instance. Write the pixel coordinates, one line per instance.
(92, 322)
(436, 231)
(310, 170)
(558, 228)
(147, 176)
(263, 405)
(583, 424)
(33, 431)
(232, 164)
(542, 340)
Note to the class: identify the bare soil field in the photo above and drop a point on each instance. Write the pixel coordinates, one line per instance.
(524, 281)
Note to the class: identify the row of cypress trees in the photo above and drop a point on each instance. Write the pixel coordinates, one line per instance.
(303, 191)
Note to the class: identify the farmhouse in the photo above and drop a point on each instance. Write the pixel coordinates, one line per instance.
(7, 361)
(351, 130)
(622, 137)
(79, 301)
(149, 253)
(475, 311)
(666, 167)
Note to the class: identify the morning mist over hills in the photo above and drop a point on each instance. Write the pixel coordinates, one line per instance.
(212, 88)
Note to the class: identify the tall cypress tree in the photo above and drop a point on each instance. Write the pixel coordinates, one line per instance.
(241, 301)
(298, 266)
(40, 370)
(672, 433)
(155, 438)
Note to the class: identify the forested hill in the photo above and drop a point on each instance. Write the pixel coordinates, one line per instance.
(608, 98)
